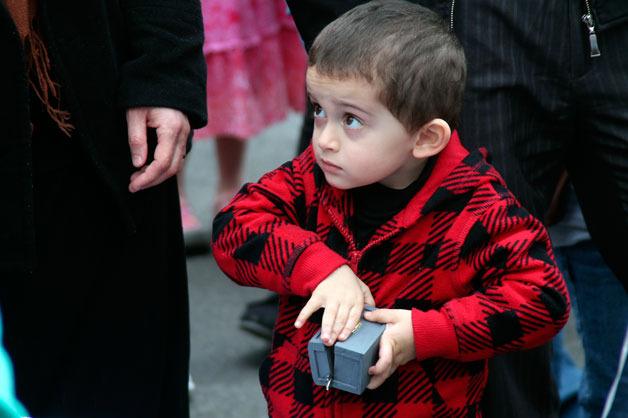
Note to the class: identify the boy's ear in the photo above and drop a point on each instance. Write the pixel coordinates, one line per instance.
(431, 138)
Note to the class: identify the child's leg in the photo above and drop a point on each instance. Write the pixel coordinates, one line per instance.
(188, 220)
(230, 152)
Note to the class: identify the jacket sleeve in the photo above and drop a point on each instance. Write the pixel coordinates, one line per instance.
(517, 296)
(164, 64)
(259, 238)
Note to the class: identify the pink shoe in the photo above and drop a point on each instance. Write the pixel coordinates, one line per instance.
(196, 238)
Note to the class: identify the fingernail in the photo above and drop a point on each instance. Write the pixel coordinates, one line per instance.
(137, 160)
(297, 324)
(325, 337)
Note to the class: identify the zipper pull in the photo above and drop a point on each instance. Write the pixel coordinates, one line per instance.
(587, 19)
(328, 384)
(330, 363)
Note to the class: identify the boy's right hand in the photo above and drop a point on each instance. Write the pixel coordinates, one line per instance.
(343, 295)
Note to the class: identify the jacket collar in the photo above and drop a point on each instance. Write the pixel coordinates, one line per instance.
(339, 205)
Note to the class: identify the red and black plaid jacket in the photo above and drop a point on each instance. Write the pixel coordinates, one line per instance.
(475, 267)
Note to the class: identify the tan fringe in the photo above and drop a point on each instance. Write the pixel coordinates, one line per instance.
(38, 66)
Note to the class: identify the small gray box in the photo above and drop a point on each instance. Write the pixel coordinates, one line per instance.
(347, 362)
(321, 360)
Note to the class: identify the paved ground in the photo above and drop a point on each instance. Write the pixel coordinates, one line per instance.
(224, 359)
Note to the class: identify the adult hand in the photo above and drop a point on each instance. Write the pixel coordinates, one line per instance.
(343, 296)
(172, 128)
(396, 347)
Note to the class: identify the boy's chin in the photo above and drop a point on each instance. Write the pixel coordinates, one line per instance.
(342, 184)
(336, 183)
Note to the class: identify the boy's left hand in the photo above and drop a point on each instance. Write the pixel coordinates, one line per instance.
(396, 347)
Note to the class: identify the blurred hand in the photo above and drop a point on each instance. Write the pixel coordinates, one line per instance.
(172, 128)
(343, 296)
(396, 347)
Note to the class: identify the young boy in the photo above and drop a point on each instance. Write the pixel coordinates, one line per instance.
(387, 208)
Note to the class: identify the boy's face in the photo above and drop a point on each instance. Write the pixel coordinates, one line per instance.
(356, 140)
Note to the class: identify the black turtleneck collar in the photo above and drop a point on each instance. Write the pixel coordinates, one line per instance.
(376, 204)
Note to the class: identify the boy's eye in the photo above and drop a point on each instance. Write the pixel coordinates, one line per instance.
(352, 122)
(318, 111)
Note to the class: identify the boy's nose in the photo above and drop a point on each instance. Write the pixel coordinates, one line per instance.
(327, 139)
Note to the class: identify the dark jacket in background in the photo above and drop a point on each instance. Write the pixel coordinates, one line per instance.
(92, 278)
(107, 56)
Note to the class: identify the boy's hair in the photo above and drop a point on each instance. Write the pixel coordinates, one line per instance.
(406, 50)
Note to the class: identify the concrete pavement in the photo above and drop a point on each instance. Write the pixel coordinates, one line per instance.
(225, 360)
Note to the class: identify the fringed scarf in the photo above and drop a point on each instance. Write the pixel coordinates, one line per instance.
(38, 63)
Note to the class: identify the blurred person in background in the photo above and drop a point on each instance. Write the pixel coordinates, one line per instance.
(98, 100)
(600, 306)
(10, 407)
(255, 76)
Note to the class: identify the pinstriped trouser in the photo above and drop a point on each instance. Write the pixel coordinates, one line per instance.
(538, 101)
(540, 104)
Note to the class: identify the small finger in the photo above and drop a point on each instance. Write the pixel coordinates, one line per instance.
(339, 324)
(381, 370)
(384, 362)
(310, 307)
(368, 297)
(329, 317)
(352, 322)
(376, 381)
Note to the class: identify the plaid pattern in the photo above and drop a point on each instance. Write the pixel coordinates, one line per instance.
(476, 269)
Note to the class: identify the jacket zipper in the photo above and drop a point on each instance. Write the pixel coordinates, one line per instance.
(354, 253)
(451, 16)
(587, 19)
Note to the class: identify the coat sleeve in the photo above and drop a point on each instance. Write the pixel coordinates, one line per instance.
(517, 296)
(259, 238)
(164, 64)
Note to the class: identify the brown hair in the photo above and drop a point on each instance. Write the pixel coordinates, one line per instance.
(403, 48)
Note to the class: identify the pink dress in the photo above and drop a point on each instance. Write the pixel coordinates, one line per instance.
(255, 66)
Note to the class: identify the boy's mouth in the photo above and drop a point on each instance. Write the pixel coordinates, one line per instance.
(328, 166)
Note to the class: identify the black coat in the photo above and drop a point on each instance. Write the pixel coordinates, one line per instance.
(92, 278)
(108, 55)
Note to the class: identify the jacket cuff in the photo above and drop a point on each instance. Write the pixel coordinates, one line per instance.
(314, 264)
(434, 335)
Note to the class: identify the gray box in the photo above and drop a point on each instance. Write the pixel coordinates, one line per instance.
(347, 362)
(321, 360)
